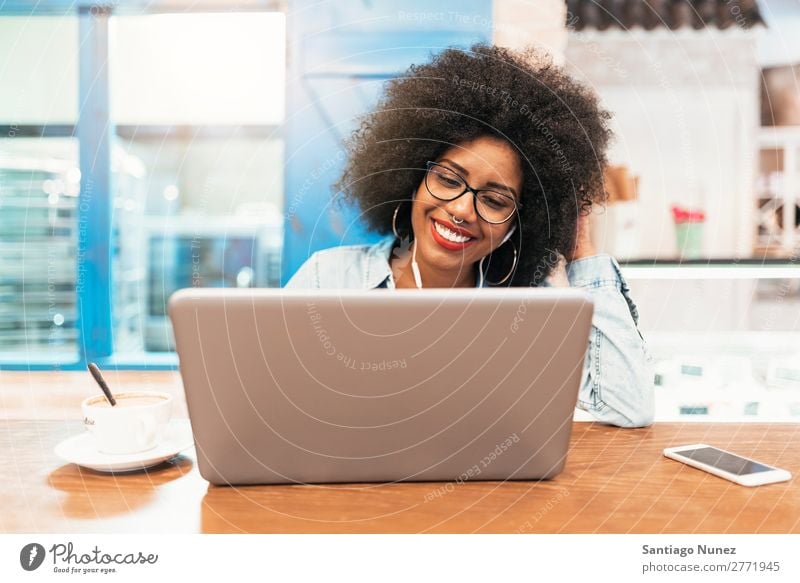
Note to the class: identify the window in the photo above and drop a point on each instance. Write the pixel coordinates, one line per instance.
(39, 186)
(200, 118)
(187, 171)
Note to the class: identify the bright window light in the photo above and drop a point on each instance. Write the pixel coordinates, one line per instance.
(198, 68)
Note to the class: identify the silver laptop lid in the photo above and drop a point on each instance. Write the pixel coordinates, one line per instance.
(311, 386)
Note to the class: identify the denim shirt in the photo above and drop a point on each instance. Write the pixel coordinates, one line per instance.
(617, 381)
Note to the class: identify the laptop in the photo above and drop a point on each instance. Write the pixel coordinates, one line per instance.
(309, 386)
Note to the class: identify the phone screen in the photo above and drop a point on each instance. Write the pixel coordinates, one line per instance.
(724, 461)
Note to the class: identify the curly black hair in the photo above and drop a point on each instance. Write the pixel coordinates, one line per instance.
(555, 125)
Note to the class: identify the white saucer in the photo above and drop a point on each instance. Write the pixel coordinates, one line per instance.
(80, 449)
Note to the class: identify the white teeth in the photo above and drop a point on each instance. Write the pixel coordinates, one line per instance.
(450, 235)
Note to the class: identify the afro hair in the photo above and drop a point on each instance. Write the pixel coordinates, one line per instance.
(553, 123)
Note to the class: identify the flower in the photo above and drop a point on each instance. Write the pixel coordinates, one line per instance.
(685, 215)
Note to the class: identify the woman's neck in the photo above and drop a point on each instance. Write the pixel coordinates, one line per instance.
(403, 273)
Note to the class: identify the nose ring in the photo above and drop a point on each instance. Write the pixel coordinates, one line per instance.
(457, 221)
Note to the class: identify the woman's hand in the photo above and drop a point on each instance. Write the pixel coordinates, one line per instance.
(583, 248)
(583, 242)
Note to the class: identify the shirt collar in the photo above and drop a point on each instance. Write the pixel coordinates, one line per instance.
(377, 272)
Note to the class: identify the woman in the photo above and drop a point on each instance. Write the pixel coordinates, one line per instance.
(480, 168)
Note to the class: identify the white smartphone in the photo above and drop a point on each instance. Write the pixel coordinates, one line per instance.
(727, 465)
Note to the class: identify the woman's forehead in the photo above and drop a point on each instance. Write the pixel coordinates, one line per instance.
(486, 160)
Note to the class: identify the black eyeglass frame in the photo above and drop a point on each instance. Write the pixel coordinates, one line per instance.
(467, 188)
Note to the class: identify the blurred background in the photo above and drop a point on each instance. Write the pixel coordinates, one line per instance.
(149, 146)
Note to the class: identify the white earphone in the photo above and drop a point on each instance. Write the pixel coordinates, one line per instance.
(508, 235)
(415, 267)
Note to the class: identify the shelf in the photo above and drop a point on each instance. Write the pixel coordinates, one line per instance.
(707, 270)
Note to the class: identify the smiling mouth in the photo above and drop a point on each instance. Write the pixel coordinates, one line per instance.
(448, 238)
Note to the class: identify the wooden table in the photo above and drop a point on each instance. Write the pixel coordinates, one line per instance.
(615, 481)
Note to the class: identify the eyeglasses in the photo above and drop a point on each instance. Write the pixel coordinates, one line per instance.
(492, 206)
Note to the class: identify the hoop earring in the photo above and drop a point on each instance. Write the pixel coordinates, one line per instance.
(509, 274)
(394, 220)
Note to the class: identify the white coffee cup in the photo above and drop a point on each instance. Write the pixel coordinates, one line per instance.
(135, 424)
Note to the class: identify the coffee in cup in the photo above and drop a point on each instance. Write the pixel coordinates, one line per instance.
(135, 424)
(129, 400)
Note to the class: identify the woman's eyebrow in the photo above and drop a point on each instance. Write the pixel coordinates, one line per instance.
(502, 187)
(465, 172)
(458, 167)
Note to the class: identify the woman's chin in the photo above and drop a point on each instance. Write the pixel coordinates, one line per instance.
(446, 260)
